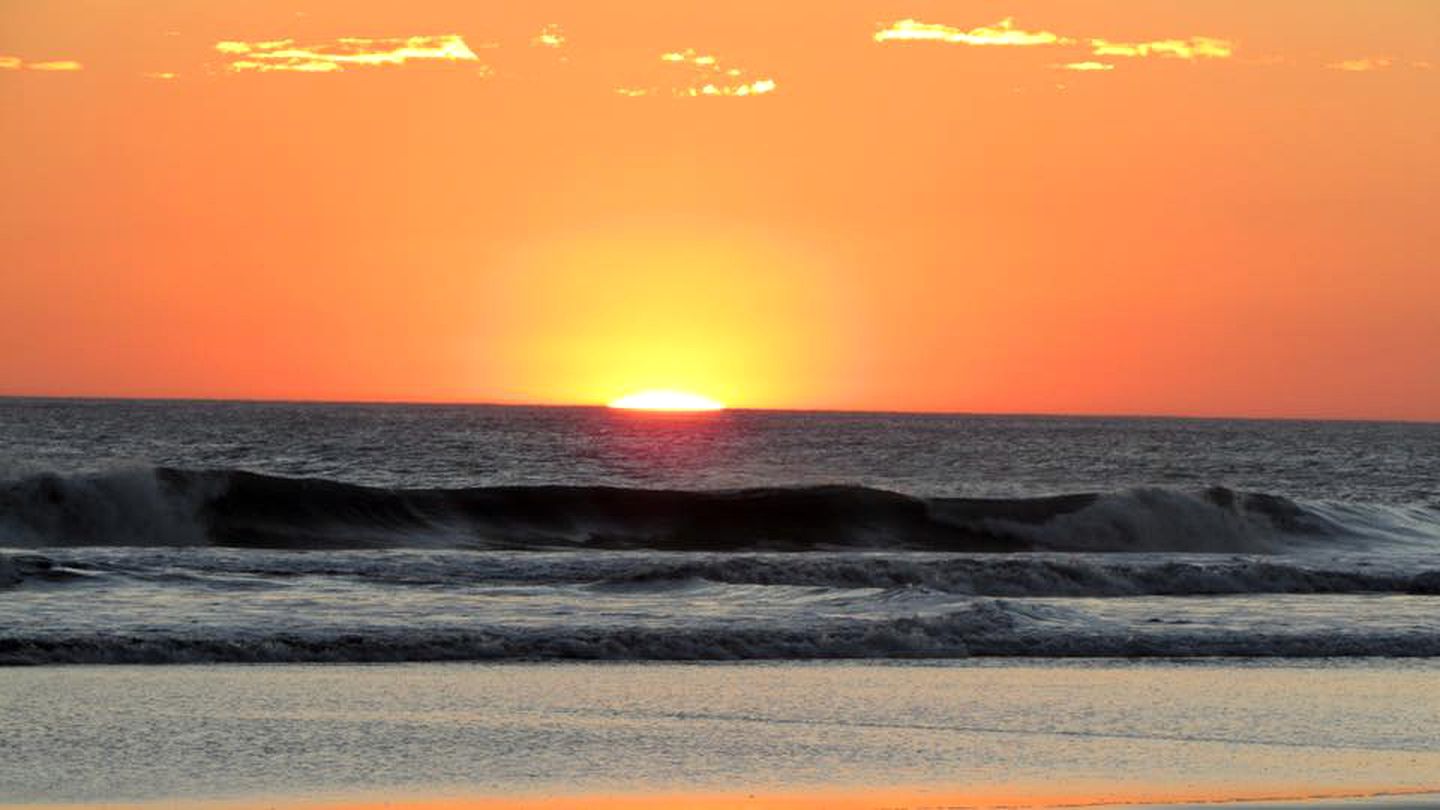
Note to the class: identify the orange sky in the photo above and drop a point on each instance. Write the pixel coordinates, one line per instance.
(1232, 211)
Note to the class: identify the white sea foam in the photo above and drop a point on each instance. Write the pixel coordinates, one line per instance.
(985, 628)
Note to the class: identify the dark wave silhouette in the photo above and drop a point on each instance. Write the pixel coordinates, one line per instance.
(172, 507)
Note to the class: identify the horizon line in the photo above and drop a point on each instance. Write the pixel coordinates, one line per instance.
(604, 406)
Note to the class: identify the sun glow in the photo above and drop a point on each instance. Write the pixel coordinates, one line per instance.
(662, 400)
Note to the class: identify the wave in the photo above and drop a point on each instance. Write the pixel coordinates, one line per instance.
(992, 575)
(19, 568)
(171, 507)
(987, 628)
(1031, 577)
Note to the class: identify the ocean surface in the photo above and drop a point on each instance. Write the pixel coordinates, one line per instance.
(180, 532)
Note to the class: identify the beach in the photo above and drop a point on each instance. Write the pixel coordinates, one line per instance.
(775, 735)
(863, 800)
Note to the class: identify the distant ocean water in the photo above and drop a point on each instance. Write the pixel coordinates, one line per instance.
(158, 532)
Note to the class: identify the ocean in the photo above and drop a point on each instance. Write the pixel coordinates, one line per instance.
(149, 532)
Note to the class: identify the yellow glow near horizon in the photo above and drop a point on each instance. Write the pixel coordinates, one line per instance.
(890, 206)
(665, 400)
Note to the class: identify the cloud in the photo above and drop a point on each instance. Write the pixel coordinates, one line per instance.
(1085, 67)
(51, 66)
(160, 74)
(1363, 65)
(1370, 64)
(342, 53)
(549, 37)
(689, 56)
(59, 65)
(1188, 49)
(703, 75)
(1000, 33)
(755, 88)
(1004, 33)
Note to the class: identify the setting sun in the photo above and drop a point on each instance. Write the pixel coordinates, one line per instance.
(658, 400)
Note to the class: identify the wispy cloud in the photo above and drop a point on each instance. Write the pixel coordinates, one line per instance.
(551, 36)
(1085, 67)
(49, 66)
(1189, 49)
(756, 88)
(59, 65)
(1364, 64)
(1003, 32)
(1006, 33)
(333, 56)
(703, 75)
(1370, 64)
(163, 75)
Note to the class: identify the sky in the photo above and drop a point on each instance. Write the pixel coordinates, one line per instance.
(1224, 208)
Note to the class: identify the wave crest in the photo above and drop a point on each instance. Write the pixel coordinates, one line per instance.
(169, 507)
(986, 628)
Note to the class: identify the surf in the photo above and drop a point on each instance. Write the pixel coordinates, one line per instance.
(232, 508)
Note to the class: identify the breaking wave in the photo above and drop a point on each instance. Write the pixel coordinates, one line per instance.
(1036, 577)
(170, 507)
(986, 628)
(991, 575)
(18, 568)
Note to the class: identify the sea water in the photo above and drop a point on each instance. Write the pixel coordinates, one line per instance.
(160, 532)
(557, 601)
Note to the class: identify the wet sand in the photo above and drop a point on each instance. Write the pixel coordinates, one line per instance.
(930, 799)
(780, 736)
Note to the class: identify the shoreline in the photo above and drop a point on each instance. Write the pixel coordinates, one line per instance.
(880, 799)
(715, 737)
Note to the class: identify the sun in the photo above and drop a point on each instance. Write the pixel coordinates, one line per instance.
(666, 400)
